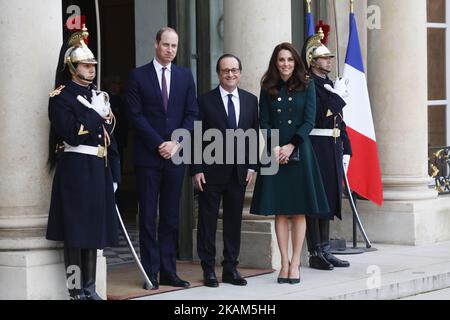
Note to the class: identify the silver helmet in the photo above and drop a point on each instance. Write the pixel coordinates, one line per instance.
(316, 49)
(78, 51)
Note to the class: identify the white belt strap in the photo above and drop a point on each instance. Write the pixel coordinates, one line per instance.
(89, 150)
(335, 133)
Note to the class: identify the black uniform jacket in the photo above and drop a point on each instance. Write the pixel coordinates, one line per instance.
(82, 209)
(329, 151)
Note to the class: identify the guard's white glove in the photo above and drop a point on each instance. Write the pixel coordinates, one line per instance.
(100, 103)
(346, 162)
(115, 186)
(340, 87)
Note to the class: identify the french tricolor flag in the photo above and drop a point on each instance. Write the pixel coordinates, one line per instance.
(364, 171)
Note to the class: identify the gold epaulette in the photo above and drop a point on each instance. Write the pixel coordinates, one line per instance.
(56, 92)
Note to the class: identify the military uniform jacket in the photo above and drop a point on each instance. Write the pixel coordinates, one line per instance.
(82, 209)
(329, 151)
(297, 187)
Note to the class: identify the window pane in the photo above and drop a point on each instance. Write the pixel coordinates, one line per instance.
(436, 10)
(436, 126)
(436, 64)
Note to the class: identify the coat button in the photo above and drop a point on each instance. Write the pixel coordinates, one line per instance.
(290, 98)
(99, 136)
(290, 122)
(279, 110)
(279, 99)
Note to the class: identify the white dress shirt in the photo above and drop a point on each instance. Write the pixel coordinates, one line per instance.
(168, 73)
(237, 104)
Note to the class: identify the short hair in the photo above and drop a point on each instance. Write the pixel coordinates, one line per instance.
(162, 31)
(228, 55)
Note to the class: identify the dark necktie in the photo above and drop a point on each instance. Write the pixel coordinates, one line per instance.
(165, 96)
(231, 113)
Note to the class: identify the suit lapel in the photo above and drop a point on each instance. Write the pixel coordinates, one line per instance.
(242, 110)
(221, 108)
(155, 83)
(173, 76)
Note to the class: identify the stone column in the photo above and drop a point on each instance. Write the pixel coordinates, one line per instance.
(400, 116)
(397, 79)
(252, 29)
(30, 266)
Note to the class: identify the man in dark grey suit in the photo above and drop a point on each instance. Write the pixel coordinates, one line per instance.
(225, 108)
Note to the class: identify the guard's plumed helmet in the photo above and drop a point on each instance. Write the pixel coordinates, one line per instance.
(78, 51)
(316, 49)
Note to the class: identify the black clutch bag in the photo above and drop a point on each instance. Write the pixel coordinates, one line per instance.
(295, 156)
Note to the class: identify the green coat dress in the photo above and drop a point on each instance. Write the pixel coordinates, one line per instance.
(297, 187)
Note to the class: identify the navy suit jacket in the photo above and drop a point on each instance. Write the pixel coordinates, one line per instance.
(214, 116)
(153, 125)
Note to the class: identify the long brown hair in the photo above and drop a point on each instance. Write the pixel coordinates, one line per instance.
(270, 82)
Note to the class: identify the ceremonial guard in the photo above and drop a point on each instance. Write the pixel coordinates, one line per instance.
(332, 148)
(83, 150)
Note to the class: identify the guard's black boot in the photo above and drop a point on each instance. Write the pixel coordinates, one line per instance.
(72, 261)
(318, 261)
(89, 268)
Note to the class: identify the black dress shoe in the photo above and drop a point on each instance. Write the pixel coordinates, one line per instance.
(337, 263)
(319, 262)
(210, 279)
(234, 278)
(173, 280)
(154, 280)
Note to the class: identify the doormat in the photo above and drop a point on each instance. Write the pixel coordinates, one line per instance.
(126, 281)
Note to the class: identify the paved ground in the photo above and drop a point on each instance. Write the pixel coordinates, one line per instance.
(434, 295)
(392, 272)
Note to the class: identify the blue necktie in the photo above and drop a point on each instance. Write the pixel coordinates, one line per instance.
(165, 96)
(231, 113)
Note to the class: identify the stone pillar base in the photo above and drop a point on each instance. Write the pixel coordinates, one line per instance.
(398, 222)
(259, 248)
(39, 275)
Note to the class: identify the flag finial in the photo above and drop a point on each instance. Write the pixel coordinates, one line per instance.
(308, 3)
(351, 6)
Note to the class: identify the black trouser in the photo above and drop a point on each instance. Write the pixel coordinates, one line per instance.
(317, 234)
(209, 203)
(81, 266)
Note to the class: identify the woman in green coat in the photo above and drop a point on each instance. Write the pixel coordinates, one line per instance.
(288, 104)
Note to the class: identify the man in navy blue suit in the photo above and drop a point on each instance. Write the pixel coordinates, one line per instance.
(161, 98)
(227, 109)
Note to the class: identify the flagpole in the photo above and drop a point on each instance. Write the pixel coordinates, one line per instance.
(99, 45)
(338, 60)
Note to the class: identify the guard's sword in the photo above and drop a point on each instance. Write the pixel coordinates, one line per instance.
(133, 252)
(355, 212)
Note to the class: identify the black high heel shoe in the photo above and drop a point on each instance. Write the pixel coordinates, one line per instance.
(281, 280)
(295, 280)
